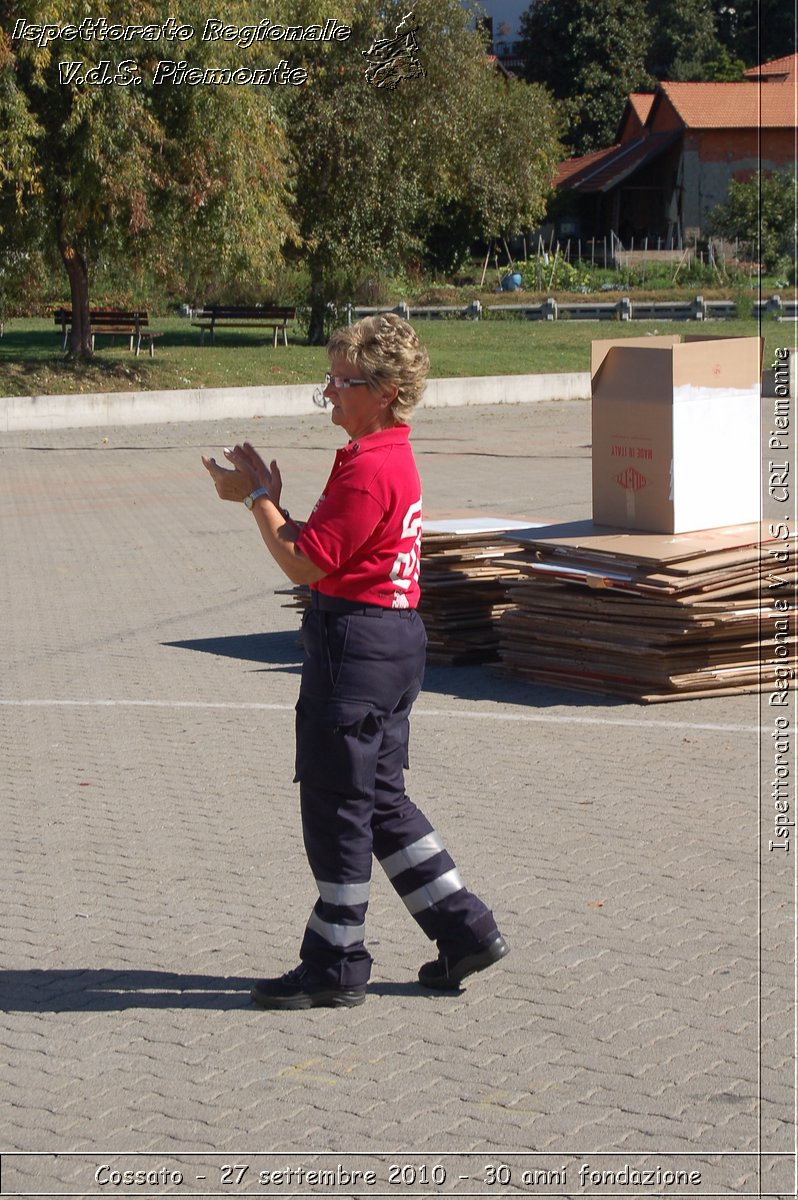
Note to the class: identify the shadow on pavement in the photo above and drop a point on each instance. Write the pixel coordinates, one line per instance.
(276, 651)
(283, 652)
(486, 683)
(88, 990)
(91, 990)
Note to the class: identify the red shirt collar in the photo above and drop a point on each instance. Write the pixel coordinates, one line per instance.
(395, 435)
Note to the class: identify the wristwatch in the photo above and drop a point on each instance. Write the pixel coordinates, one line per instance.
(256, 495)
(253, 496)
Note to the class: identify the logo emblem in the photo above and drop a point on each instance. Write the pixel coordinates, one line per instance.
(393, 59)
(631, 480)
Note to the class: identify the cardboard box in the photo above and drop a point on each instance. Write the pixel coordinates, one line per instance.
(676, 432)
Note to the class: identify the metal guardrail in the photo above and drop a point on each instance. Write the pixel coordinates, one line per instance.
(624, 309)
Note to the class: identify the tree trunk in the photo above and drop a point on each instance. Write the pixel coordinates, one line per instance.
(76, 269)
(317, 335)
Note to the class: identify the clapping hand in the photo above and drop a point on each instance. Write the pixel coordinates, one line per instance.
(249, 472)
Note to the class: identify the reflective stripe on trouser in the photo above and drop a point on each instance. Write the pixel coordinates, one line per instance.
(360, 677)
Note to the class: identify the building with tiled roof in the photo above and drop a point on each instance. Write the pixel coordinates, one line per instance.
(633, 121)
(781, 70)
(676, 152)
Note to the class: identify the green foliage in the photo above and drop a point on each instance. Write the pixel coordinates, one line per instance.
(755, 31)
(761, 212)
(501, 180)
(184, 184)
(381, 173)
(25, 280)
(510, 157)
(450, 232)
(215, 192)
(683, 38)
(555, 275)
(717, 67)
(744, 303)
(591, 54)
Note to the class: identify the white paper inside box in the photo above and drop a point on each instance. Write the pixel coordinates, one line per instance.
(676, 433)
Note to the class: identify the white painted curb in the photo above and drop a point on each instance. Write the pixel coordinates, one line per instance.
(213, 404)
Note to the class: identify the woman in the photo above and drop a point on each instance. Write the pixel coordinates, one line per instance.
(364, 661)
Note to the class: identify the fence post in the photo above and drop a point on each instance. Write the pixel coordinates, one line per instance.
(625, 308)
(550, 309)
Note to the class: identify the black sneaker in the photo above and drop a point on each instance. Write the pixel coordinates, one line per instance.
(298, 990)
(447, 974)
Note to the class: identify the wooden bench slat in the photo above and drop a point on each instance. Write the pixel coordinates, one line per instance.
(130, 323)
(253, 316)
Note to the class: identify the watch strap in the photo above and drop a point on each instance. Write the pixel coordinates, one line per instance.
(256, 495)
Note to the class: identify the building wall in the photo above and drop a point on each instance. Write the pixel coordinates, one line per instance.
(712, 158)
(663, 117)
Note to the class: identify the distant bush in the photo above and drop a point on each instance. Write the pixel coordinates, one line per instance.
(760, 211)
(547, 275)
(555, 274)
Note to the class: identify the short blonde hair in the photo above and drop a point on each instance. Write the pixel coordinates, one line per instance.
(387, 352)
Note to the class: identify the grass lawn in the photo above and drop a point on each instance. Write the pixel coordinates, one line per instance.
(31, 361)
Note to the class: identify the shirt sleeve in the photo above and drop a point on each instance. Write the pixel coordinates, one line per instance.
(339, 527)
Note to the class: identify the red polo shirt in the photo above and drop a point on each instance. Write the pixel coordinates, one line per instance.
(365, 531)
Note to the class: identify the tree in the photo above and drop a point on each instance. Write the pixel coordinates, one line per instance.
(760, 211)
(591, 54)
(683, 38)
(720, 67)
(192, 180)
(756, 31)
(503, 177)
(377, 166)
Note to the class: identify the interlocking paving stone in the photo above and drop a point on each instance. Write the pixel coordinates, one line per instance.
(153, 863)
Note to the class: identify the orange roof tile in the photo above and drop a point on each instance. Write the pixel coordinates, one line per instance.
(784, 69)
(734, 105)
(641, 102)
(634, 116)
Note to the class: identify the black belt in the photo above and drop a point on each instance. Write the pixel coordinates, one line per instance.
(338, 604)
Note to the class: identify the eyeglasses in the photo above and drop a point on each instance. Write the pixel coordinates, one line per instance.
(339, 384)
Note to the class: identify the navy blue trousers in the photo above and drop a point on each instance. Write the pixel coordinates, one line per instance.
(362, 671)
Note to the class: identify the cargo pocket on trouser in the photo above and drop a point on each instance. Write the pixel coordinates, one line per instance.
(337, 743)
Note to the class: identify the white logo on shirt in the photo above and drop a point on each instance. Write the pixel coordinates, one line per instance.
(411, 525)
(405, 570)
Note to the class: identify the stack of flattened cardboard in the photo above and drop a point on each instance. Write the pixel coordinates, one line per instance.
(652, 617)
(464, 579)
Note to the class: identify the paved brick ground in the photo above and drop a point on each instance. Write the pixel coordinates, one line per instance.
(152, 860)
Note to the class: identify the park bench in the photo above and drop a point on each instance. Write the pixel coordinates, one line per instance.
(228, 316)
(109, 322)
